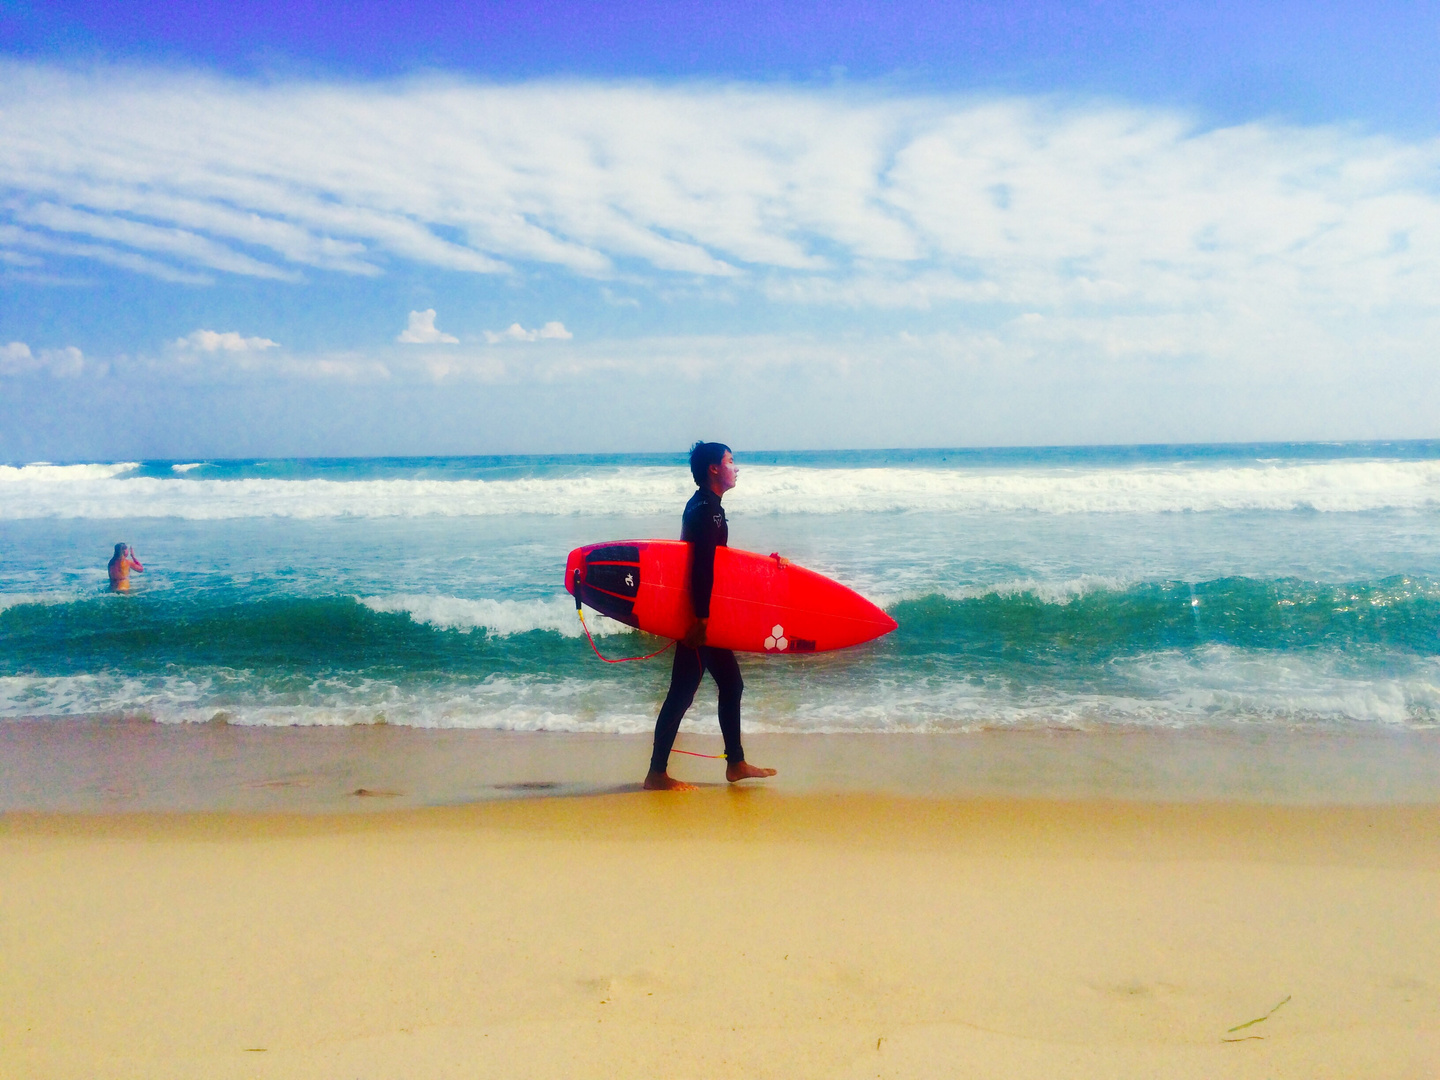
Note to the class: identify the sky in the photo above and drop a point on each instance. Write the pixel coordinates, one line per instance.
(262, 228)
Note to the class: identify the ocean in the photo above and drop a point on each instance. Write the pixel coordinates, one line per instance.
(1262, 587)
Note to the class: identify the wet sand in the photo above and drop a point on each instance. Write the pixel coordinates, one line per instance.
(108, 765)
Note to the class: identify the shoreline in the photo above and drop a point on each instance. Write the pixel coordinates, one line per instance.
(113, 765)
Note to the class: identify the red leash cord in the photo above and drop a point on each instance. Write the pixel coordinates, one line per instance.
(627, 659)
(622, 659)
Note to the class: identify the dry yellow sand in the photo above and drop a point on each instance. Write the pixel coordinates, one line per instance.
(725, 933)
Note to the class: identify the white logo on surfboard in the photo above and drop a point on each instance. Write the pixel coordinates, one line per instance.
(776, 642)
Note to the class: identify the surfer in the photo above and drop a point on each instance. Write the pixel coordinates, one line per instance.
(704, 528)
(121, 563)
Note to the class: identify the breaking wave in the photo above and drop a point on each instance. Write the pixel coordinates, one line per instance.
(119, 491)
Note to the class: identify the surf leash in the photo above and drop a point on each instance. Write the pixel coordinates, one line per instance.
(625, 659)
(580, 613)
(620, 659)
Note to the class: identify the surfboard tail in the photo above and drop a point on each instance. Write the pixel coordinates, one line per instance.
(607, 578)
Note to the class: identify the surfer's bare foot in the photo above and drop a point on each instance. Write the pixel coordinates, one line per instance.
(745, 771)
(659, 781)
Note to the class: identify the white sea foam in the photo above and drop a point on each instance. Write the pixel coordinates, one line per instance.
(500, 703)
(1047, 592)
(186, 467)
(1215, 687)
(104, 491)
(42, 472)
(10, 600)
(46, 494)
(1059, 592)
(498, 617)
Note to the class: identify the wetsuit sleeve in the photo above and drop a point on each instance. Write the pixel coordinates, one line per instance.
(702, 562)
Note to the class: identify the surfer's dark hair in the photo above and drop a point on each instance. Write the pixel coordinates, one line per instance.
(702, 456)
(120, 549)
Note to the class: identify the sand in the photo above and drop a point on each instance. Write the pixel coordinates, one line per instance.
(756, 933)
(111, 765)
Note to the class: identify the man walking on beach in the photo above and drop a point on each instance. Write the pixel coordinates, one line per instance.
(704, 528)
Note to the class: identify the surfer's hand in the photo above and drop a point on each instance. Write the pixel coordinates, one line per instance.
(695, 636)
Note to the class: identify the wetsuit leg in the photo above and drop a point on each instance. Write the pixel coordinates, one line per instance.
(726, 672)
(684, 681)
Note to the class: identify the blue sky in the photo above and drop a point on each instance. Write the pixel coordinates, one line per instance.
(265, 228)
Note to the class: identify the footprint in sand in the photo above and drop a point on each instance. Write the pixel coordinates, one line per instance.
(294, 781)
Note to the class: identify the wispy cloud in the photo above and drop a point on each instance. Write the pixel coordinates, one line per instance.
(230, 341)
(809, 197)
(421, 331)
(167, 241)
(551, 331)
(109, 256)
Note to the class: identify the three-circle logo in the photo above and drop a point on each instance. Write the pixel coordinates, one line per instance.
(776, 641)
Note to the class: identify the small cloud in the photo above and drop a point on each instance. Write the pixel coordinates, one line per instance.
(17, 358)
(66, 363)
(212, 341)
(616, 300)
(551, 331)
(421, 331)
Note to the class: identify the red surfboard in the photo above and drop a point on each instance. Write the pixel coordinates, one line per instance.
(760, 603)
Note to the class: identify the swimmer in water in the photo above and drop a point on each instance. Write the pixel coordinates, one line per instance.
(121, 563)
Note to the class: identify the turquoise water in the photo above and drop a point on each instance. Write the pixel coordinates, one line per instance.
(1277, 585)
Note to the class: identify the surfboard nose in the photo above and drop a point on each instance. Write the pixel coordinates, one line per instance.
(881, 622)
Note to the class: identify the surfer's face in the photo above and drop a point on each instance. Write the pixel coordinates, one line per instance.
(726, 473)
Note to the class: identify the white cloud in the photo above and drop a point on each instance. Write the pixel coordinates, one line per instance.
(66, 362)
(1048, 235)
(421, 331)
(617, 300)
(228, 341)
(176, 243)
(551, 331)
(125, 260)
(16, 358)
(815, 197)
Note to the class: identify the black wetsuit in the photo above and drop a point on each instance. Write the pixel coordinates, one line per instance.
(704, 528)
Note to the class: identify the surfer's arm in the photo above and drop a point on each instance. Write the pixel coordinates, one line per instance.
(702, 576)
(704, 530)
(695, 636)
(702, 582)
